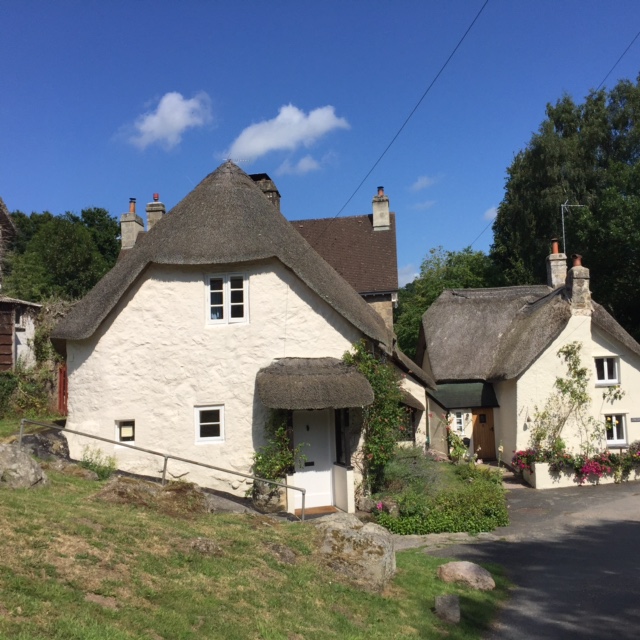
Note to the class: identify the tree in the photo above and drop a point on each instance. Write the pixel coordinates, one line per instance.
(585, 154)
(440, 270)
(60, 256)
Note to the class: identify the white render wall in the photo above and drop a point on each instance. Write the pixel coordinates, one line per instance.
(24, 339)
(417, 391)
(155, 358)
(536, 384)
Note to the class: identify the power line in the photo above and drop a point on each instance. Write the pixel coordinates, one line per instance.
(618, 60)
(404, 124)
(480, 234)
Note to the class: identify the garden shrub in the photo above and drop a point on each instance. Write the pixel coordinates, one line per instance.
(8, 384)
(98, 462)
(475, 507)
(410, 466)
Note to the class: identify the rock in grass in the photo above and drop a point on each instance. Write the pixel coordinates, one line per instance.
(448, 608)
(18, 470)
(468, 573)
(364, 553)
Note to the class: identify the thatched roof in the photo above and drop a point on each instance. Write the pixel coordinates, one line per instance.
(410, 400)
(312, 383)
(405, 363)
(226, 219)
(496, 334)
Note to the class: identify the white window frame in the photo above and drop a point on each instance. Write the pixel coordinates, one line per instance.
(227, 304)
(622, 421)
(607, 381)
(459, 421)
(123, 423)
(196, 418)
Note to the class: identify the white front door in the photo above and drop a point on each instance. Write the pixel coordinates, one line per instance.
(313, 428)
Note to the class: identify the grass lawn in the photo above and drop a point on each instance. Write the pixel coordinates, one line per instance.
(11, 426)
(74, 568)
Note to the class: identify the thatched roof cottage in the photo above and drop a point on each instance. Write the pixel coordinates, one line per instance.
(220, 312)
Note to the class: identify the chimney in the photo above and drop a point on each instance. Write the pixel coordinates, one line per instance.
(268, 187)
(578, 288)
(556, 266)
(155, 211)
(381, 217)
(130, 226)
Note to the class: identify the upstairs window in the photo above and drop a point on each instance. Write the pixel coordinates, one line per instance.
(615, 429)
(607, 371)
(228, 299)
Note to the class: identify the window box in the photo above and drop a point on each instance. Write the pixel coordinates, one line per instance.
(209, 423)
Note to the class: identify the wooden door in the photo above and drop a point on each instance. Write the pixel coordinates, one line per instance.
(6, 339)
(484, 434)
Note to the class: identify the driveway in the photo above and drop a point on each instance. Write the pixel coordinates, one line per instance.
(573, 556)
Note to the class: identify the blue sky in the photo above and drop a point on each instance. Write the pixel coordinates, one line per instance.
(102, 101)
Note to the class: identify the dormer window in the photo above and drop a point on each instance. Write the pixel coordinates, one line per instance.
(607, 371)
(227, 299)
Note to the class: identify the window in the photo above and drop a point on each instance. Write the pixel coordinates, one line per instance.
(607, 371)
(408, 427)
(615, 429)
(209, 423)
(227, 299)
(459, 421)
(343, 453)
(125, 430)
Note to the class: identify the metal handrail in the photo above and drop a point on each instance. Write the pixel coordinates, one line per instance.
(166, 457)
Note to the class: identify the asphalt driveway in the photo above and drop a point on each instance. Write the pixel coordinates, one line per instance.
(574, 557)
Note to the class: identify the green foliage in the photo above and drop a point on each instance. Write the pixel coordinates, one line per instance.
(8, 385)
(60, 255)
(382, 419)
(278, 457)
(440, 270)
(33, 391)
(457, 449)
(410, 467)
(477, 506)
(583, 154)
(97, 461)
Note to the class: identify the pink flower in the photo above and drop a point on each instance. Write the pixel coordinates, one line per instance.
(379, 506)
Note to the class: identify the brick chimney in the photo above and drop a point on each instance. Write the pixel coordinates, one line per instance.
(381, 217)
(268, 187)
(556, 266)
(155, 211)
(130, 226)
(578, 288)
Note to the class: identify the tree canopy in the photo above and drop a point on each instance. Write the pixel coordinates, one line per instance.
(440, 270)
(60, 256)
(583, 154)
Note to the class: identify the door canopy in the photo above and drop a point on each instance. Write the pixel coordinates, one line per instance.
(312, 383)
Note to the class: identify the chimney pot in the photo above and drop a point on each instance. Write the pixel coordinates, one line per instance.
(577, 260)
(380, 191)
(554, 247)
(132, 205)
(156, 197)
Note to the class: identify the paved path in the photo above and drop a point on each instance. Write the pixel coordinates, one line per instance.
(573, 556)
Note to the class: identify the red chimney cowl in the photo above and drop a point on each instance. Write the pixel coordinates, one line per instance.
(156, 197)
(380, 191)
(132, 205)
(554, 246)
(577, 260)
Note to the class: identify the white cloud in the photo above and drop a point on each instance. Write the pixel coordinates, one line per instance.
(407, 274)
(423, 206)
(290, 129)
(422, 182)
(490, 214)
(304, 165)
(171, 118)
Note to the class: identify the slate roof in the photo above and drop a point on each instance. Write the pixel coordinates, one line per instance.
(226, 219)
(365, 258)
(496, 334)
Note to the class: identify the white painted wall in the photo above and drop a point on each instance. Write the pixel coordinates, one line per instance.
(155, 358)
(506, 420)
(24, 335)
(417, 391)
(536, 384)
